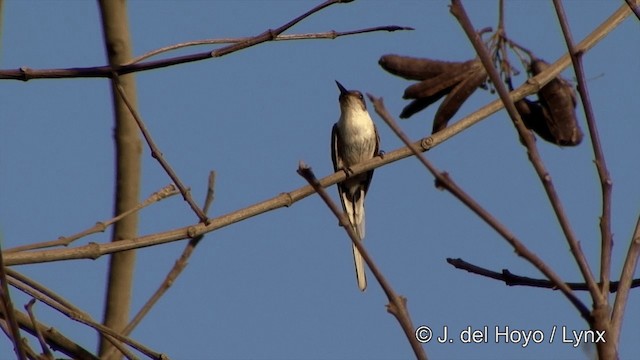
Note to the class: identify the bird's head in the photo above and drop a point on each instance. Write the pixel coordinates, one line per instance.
(351, 99)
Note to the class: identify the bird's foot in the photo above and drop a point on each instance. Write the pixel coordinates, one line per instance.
(347, 171)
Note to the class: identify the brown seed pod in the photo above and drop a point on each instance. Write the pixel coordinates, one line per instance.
(420, 104)
(412, 68)
(457, 97)
(533, 118)
(558, 103)
(446, 80)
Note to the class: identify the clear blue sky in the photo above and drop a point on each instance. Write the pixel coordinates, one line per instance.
(281, 285)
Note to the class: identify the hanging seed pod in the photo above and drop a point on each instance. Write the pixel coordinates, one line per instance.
(457, 97)
(446, 80)
(412, 68)
(455, 80)
(422, 103)
(558, 102)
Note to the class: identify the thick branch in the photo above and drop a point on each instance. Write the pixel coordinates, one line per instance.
(127, 181)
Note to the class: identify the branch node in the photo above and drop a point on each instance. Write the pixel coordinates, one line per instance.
(192, 232)
(427, 143)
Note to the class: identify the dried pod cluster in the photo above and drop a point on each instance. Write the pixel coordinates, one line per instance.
(553, 116)
(455, 80)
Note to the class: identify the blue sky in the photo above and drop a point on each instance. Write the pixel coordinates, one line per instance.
(281, 285)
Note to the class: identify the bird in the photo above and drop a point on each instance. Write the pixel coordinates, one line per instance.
(354, 139)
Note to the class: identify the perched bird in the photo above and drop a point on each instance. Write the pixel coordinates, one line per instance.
(354, 139)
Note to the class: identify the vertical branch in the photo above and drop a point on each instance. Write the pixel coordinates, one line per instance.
(534, 156)
(626, 278)
(601, 165)
(128, 162)
(601, 305)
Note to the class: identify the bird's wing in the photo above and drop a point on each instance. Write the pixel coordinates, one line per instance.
(338, 164)
(369, 174)
(335, 157)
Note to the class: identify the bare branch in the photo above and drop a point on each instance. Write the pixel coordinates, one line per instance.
(443, 180)
(458, 11)
(601, 165)
(157, 154)
(57, 341)
(511, 279)
(25, 73)
(601, 303)
(628, 269)
(397, 304)
(100, 226)
(322, 35)
(178, 267)
(633, 4)
(43, 344)
(55, 301)
(6, 306)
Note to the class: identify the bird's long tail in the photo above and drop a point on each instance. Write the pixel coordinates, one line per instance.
(356, 218)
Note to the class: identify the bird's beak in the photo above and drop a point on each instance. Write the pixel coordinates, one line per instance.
(343, 91)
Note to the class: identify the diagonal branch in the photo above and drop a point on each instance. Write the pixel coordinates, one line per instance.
(397, 304)
(443, 180)
(177, 268)
(458, 11)
(157, 154)
(55, 301)
(54, 338)
(635, 7)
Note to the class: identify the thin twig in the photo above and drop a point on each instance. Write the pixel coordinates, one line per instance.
(397, 304)
(157, 154)
(601, 164)
(100, 226)
(25, 73)
(443, 180)
(56, 302)
(634, 6)
(628, 269)
(321, 35)
(511, 279)
(600, 303)
(7, 307)
(43, 344)
(458, 11)
(177, 269)
(57, 341)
